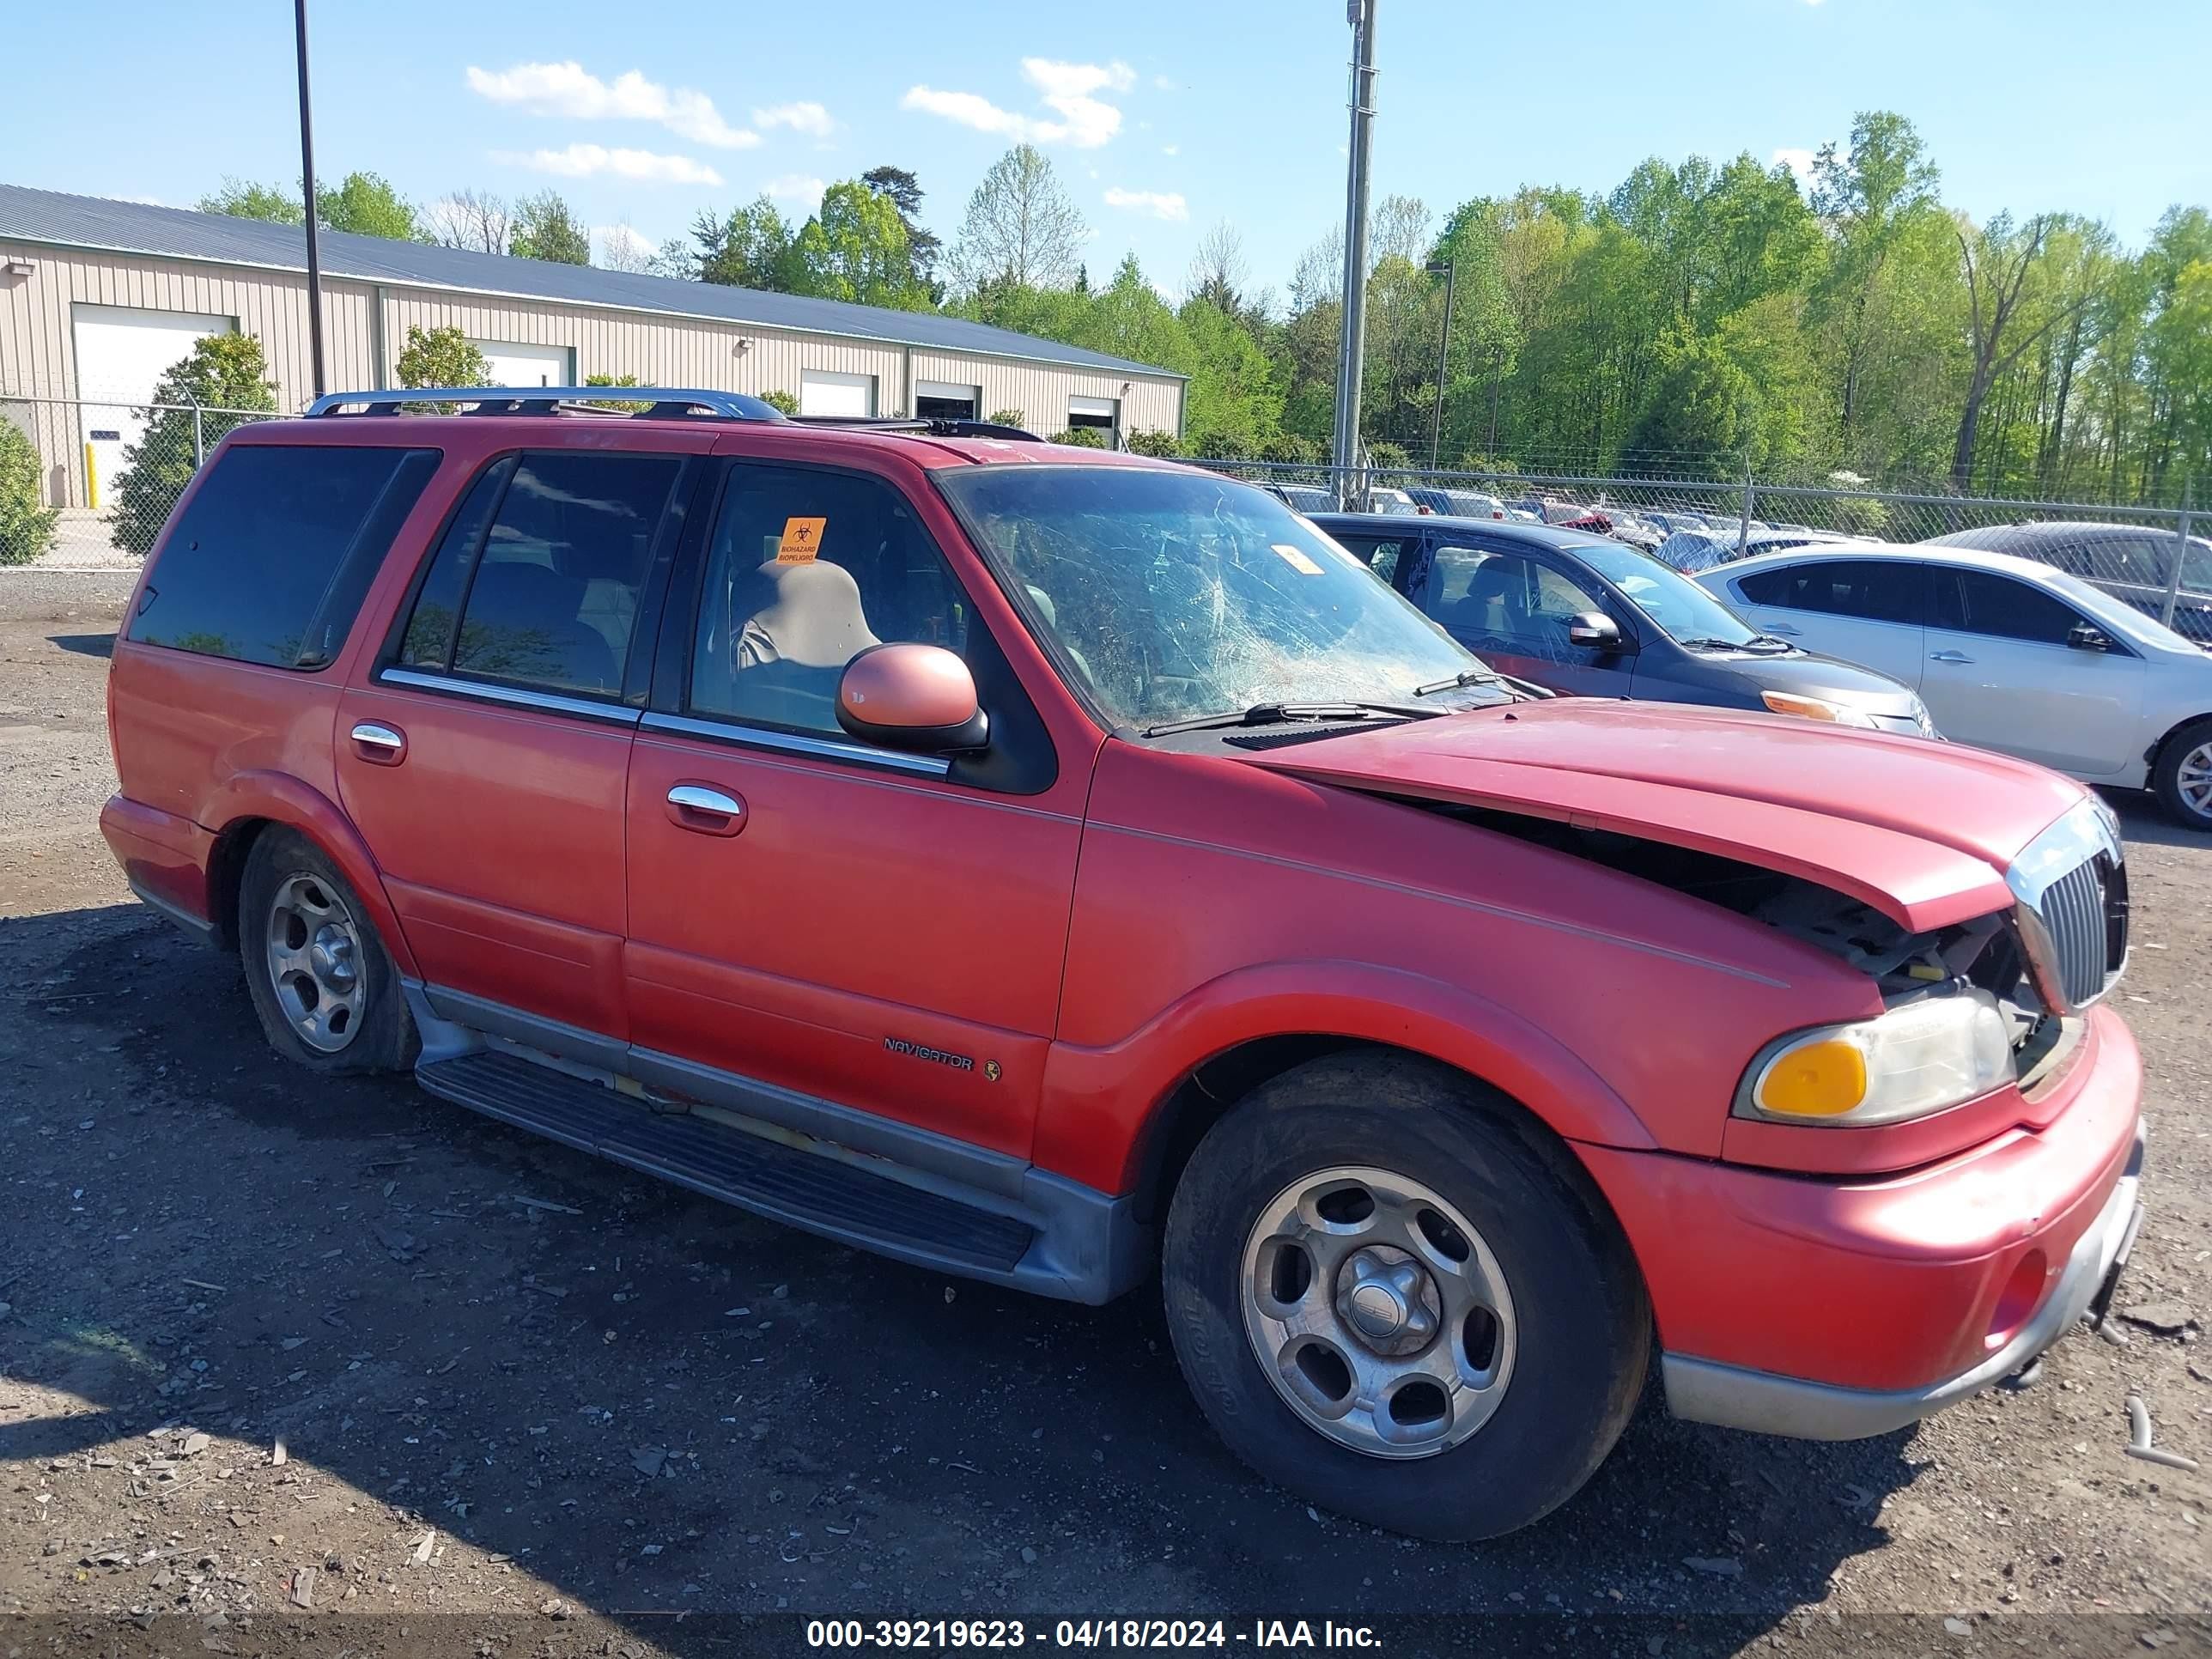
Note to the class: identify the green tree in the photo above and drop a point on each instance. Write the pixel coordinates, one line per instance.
(544, 228)
(243, 199)
(781, 400)
(1022, 229)
(223, 375)
(855, 248)
(441, 357)
(363, 203)
(630, 408)
(750, 248)
(923, 246)
(26, 523)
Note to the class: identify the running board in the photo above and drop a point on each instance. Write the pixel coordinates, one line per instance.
(817, 1191)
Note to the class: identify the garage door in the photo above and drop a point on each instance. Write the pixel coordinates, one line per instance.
(821, 392)
(511, 363)
(121, 351)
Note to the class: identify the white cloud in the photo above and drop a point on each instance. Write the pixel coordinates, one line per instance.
(1161, 83)
(587, 161)
(1069, 90)
(800, 187)
(809, 118)
(1799, 161)
(570, 89)
(1170, 149)
(1160, 204)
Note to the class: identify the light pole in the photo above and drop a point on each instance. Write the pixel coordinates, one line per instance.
(308, 185)
(1449, 272)
(1353, 346)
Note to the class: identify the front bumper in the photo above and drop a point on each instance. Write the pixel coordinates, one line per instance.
(1832, 1306)
(1737, 1397)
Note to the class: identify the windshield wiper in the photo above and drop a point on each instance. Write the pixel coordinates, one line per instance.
(1464, 677)
(1281, 714)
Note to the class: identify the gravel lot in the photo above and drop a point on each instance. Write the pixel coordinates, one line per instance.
(288, 1368)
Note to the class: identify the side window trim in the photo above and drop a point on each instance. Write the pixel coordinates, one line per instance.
(726, 728)
(472, 557)
(403, 616)
(454, 685)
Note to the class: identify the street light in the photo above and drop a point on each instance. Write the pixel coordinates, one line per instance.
(1449, 272)
(307, 187)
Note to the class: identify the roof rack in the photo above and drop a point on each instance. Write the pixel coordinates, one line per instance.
(933, 426)
(664, 403)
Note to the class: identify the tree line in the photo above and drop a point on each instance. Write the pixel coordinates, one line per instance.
(1697, 319)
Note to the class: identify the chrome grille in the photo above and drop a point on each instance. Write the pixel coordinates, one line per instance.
(2073, 912)
(2071, 884)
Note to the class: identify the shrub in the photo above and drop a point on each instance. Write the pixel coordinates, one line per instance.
(441, 357)
(617, 380)
(225, 372)
(1165, 445)
(1083, 437)
(1009, 417)
(27, 526)
(783, 400)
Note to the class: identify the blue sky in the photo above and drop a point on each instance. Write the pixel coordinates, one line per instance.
(1162, 118)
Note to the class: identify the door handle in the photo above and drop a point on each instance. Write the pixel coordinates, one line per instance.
(1948, 656)
(379, 743)
(705, 809)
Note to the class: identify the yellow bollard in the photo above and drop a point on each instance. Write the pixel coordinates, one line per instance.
(91, 479)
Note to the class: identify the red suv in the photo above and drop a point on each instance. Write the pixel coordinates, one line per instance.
(1057, 867)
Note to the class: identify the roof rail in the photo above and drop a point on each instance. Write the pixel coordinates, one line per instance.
(933, 426)
(666, 402)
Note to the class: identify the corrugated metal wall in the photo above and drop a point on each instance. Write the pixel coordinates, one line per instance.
(37, 352)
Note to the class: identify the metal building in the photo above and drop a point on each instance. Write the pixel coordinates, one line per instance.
(99, 297)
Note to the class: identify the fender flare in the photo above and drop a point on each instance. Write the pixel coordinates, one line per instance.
(1100, 1103)
(281, 798)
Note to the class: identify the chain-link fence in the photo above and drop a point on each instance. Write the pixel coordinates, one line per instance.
(101, 476)
(2157, 559)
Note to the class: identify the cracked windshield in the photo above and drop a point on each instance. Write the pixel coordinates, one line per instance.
(1174, 595)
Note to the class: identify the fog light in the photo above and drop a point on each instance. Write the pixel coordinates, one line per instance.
(2017, 1303)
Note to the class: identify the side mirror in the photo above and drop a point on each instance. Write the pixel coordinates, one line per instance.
(2083, 636)
(921, 698)
(1594, 631)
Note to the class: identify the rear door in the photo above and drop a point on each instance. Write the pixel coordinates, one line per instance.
(2002, 673)
(1513, 608)
(869, 929)
(484, 755)
(1870, 611)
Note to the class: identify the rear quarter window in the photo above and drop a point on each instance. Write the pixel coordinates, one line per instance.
(271, 557)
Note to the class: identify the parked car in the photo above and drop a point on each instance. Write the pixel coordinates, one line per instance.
(2008, 653)
(1064, 868)
(1391, 501)
(1635, 530)
(1303, 498)
(1692, 551)
(2133, 562)
(1461, 503)
(1671, 521)
(1574, 613)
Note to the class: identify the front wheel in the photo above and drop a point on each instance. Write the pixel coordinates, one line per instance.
(2183, 776)
(1397, 1296)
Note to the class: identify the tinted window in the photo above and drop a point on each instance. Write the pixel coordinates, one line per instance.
(429, 640)
(271, 560)
(1504, 602)
(1379, 557)
(552, 597)
(805, 571)
(1982, 602)
(1873, 590)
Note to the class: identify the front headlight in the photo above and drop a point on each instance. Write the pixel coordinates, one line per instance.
(1923, 720)
(1921, 1056)
(1817, 708)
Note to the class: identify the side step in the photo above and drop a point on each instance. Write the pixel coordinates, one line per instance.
(821, 1194)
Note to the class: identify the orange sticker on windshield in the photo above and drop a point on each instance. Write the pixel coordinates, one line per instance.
(802, 540)
(1297, 559)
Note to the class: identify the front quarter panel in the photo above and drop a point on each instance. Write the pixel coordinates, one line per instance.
(1217, 901)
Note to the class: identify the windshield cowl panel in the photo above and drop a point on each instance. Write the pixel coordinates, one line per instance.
(1170, 595)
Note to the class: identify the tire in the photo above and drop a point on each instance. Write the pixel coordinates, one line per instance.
(291, 897)
(2183, 776)
(1566, 1348)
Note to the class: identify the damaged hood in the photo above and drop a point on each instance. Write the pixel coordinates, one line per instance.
(1920, 830)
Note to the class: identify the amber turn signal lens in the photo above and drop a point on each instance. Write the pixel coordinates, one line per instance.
(1821, 1080)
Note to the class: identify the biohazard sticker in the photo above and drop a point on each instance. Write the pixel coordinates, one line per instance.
(802, 540)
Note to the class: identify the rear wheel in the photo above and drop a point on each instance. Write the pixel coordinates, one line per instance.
(324, 988)
(2183, 776)
(1397, 1296)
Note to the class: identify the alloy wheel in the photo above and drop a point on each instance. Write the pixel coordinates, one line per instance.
(316, 963)
(2192, 780)
(1378, 1312)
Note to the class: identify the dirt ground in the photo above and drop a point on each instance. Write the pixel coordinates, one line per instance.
(287, 1367)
